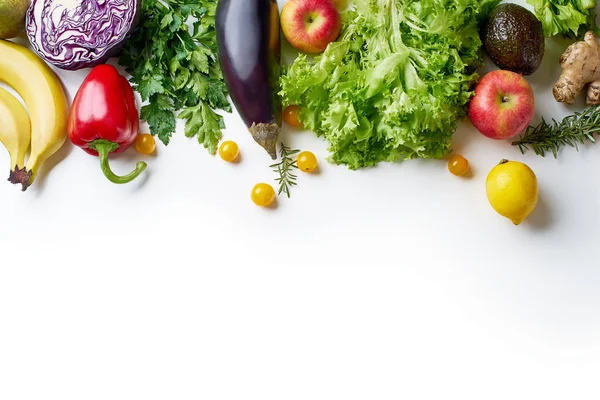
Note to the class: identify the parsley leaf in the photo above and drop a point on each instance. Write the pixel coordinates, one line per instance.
(172, 58)
(203, 123)
(217, 95)
(149, 86)
(160, 119)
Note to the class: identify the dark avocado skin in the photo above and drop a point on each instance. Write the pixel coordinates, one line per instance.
(514, 39)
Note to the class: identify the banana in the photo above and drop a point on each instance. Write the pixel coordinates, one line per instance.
(45, 99)
(15, 131)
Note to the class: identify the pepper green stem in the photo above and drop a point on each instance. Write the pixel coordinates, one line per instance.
(104, 148)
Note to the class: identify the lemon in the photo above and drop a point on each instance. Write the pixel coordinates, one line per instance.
(512, 190)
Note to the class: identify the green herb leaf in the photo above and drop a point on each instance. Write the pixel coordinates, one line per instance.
(573, 130)
(150, 85)
(175, 67)
(284, 169)
(160, 118)
(203, 122)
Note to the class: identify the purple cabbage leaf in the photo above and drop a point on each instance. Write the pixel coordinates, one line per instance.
(75, 34)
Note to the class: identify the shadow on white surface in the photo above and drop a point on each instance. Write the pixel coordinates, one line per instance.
(49, 164)
(125, 162)
(541, 218)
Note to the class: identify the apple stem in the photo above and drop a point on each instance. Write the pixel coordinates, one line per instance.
(503, 161)
(505, 99)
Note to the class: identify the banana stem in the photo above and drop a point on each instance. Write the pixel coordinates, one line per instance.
(22, 176)
(104, 147)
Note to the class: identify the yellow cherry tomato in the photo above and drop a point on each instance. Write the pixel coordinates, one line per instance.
(306, 161)
(145, 143)
(229, 151)
(458, 165)
(263, 194)
(290, 116)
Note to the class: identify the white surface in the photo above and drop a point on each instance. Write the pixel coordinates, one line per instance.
(397, 282)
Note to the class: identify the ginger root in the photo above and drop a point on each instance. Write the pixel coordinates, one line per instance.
(580, 65)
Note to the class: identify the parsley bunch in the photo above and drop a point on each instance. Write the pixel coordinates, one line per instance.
(172, 57)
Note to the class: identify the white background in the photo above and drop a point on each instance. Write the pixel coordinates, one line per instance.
(395, 282)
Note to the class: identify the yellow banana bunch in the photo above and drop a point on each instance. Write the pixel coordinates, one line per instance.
(15, 132)
(45, 99)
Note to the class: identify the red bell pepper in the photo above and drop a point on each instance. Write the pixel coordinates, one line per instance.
(104, 119)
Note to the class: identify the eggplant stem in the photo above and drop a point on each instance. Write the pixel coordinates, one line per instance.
(266, 136)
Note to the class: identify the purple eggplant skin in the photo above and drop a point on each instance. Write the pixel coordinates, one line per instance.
(249, 51)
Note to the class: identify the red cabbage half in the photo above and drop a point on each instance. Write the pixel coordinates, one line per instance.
(74, 34)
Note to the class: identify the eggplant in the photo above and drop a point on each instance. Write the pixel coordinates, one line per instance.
(249, 54)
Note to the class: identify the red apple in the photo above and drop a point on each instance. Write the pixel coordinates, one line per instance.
(503, 105)
(310, 25)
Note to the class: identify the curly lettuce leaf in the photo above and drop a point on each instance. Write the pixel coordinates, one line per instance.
(396, 82)
(569, 18)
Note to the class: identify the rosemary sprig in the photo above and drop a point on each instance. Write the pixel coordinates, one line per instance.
(285, 168)
(572, 130)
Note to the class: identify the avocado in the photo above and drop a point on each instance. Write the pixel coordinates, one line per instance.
(514, 38)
